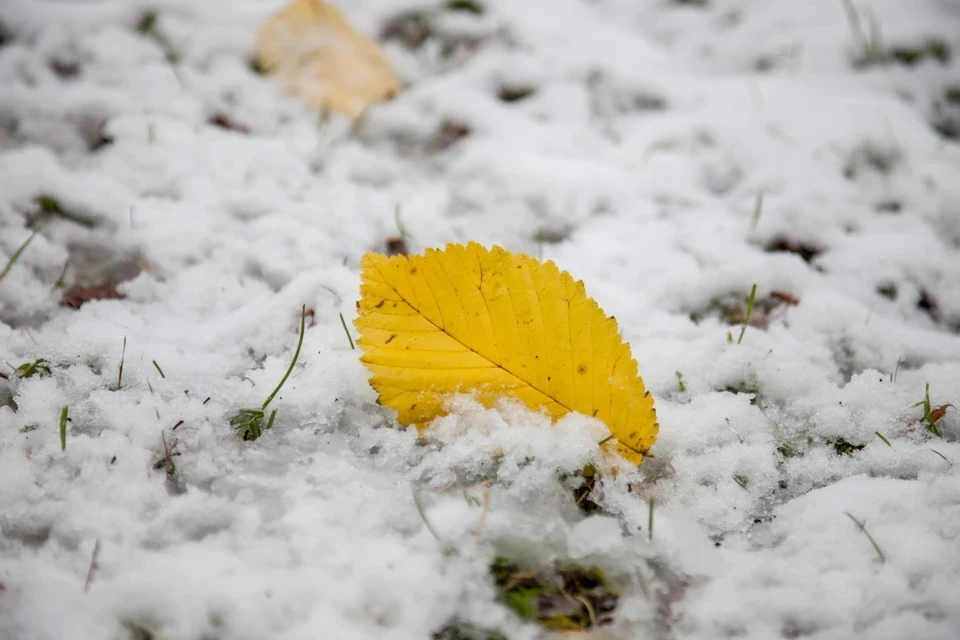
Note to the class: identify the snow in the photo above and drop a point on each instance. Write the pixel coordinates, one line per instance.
(637, 163)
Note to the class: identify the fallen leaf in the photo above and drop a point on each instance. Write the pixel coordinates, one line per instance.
(783, 244)
(785, 297)
(315, 54)
(939, 412)
(78, 295)
(449, 134)
(497, 324)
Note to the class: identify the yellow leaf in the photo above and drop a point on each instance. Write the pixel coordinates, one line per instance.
(497, 324)
(314, 53)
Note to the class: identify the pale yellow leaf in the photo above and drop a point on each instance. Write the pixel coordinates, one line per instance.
(314, 53)
(497, 324)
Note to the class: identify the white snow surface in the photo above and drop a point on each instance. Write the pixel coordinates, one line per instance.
(637, 163)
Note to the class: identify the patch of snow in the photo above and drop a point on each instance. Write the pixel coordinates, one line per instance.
(669, 153)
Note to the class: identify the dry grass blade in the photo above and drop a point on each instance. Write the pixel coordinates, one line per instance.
(863, 530)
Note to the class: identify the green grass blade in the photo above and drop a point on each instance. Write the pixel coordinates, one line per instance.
(64, 416)
(757, 212)
(19, 252)
(347, 331)
(296, 354)
(751, 301)
(945, 458)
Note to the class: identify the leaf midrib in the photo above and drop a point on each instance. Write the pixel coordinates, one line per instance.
(458, 340)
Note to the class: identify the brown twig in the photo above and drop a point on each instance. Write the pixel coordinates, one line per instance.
(93, 566)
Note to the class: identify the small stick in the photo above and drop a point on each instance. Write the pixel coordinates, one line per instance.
(650, 521)
(93, 566)
(123, 354)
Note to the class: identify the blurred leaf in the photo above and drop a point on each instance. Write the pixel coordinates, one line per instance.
(314, 53)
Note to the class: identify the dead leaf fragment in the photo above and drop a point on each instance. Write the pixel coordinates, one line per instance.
(315, 54)
(785, 297)
(223, 121)
(939, 412)
(77, 295)
(396, 246)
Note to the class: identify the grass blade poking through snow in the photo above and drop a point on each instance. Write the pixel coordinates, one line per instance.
(757, 212)
(930, 415)
(945, 458)
(19, 252)
(347, 331)
(64, 417)
(296, 354)
(92, 570)
(893, 376)
(882, 437)
(249, 422)
(746, 320)
(423, 516)
(868, 45)
(863, 530)
(123, 354)
(650, 521)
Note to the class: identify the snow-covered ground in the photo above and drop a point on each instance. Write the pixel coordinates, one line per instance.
(670, 154)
